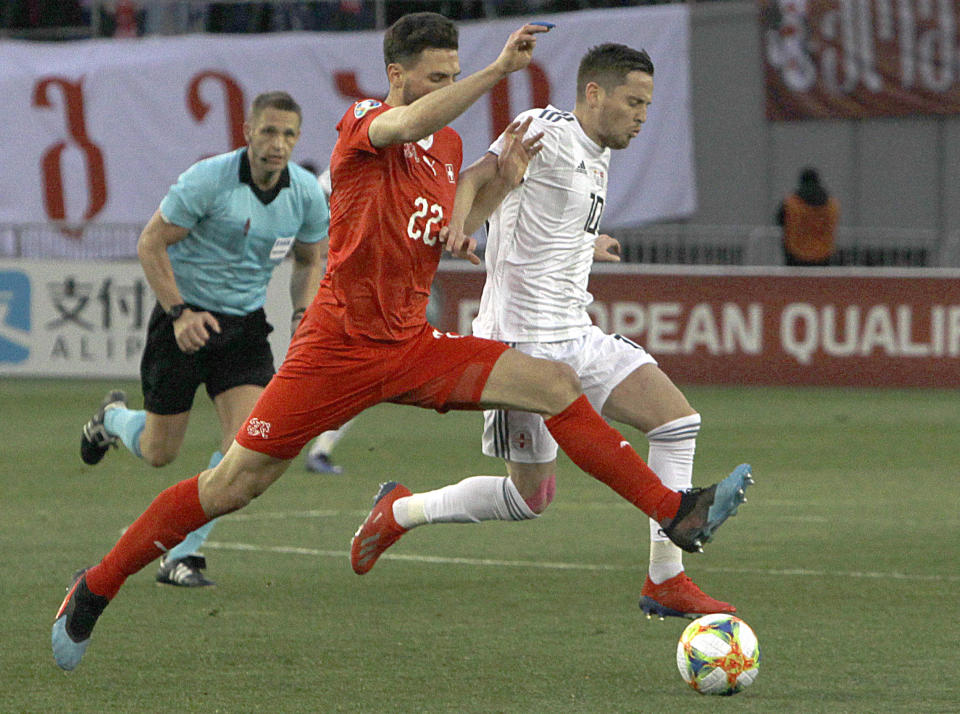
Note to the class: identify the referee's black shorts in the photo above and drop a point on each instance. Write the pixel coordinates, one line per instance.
(240, 354)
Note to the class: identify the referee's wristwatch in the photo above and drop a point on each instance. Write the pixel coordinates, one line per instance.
(176, 311)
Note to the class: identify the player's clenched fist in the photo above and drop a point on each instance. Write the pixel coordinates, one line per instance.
(192, 330)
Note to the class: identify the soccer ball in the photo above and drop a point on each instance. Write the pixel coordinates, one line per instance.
(718, 654)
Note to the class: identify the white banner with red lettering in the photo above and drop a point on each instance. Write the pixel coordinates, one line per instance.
(98, 130)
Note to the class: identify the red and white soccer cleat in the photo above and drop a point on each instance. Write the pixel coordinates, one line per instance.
(679, 596)
(380, 530)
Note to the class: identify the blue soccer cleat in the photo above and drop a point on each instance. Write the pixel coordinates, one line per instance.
(730, 493)
(74, 622)
(703, 510)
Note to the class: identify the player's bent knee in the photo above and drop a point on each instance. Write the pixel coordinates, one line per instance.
(227, 498)
(235, 499)
(241, 492)
(225, 490)
(158, 457)
(539, 501)
(562, 384)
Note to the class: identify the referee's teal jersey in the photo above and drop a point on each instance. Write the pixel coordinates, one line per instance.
(238, 233)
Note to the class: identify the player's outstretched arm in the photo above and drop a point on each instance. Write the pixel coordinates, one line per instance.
(455, 236)
(434, 111)
(483, 185)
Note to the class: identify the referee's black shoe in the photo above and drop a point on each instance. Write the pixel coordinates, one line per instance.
(185, 572)
(95, 440)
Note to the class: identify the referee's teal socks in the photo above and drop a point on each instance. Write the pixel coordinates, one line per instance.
(192, 543)
(128, 425)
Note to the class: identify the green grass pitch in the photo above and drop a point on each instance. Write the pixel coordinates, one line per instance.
(844, 561)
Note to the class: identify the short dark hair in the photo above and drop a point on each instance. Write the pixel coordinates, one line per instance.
(275, 100)
(416, 32)
(609, 64)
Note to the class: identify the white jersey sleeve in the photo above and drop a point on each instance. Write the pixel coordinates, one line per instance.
(540, 239)
(326, 185)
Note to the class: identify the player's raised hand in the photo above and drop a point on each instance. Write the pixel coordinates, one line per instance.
(518, 51)
(192, 330)
(458, 244)
(606, 249)
(517, 151)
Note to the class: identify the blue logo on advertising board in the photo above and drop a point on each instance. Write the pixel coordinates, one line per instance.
(14, 316)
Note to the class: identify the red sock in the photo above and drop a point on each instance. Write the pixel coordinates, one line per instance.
(167, 521)
(601, 451)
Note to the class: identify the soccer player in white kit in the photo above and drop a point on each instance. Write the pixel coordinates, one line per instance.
(542, 240)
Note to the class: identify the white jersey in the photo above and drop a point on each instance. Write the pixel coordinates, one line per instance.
(540, 239)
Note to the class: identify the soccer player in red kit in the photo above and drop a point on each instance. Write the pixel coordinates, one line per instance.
(365, 338)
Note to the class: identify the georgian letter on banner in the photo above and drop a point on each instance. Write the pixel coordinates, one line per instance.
(234, 103)
(53, 195)
(346, 84)
(848, 59)
(500, 98)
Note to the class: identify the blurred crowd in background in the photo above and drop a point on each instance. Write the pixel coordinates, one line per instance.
(76, 19)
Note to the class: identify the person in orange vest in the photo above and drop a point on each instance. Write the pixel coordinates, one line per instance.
(809, 219)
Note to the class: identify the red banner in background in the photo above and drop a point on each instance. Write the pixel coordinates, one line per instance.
(781, 327)
(776, 326)
(860, 58)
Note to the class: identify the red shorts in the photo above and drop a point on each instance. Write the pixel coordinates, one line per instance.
(329, 377)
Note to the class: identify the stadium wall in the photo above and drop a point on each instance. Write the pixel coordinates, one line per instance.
(901, 173)
(705, 325)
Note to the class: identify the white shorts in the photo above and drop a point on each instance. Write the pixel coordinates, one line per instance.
(601, 361)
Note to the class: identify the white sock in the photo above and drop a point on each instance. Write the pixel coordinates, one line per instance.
(325, 442)
(672, 446)
(666, 560)
(475, 499)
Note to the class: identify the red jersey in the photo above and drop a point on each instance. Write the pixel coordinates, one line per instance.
(386, 211)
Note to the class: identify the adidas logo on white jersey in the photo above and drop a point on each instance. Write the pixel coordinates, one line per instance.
(582, 169)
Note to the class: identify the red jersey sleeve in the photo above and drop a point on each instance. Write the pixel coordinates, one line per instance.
(354, 126)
